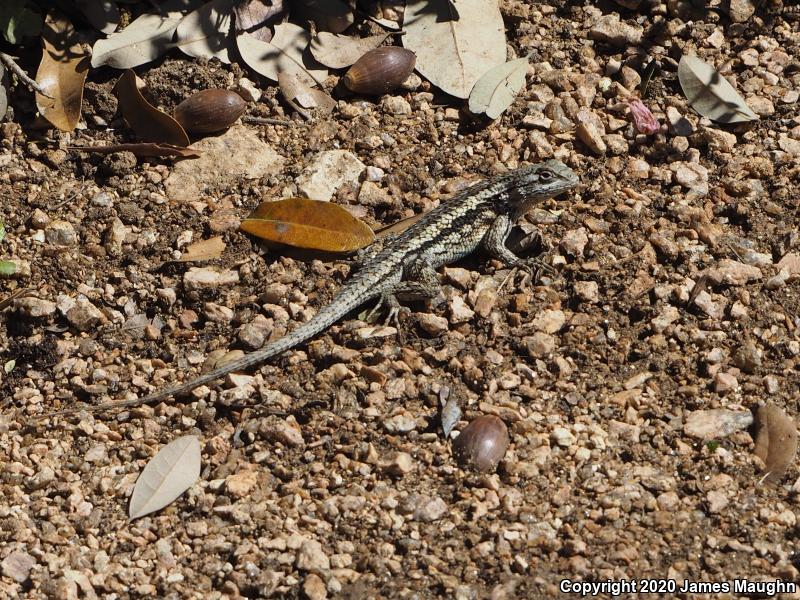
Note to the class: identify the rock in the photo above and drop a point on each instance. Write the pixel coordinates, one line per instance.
(425, 508)
(17, 565)
(716, 423)
(199, 278)
(458, 276)
(725, 383)
(540, 345)
(397, 463)
(240, 484)
(83, 315)
(34, 308)
(371, 194)
(254, 334)
(588, 291)
(60, 233)
(281, 431)
(574, 242)
(311, 557)
(549, 321)
(590, 131)
(624, 431)
(562, 437)
(748, 358)
(225, 160)
(717, 501)
(459, 311)
(396, 105)
(692, 176)
(327, 172)
(731, 272)
(314, 588)
(217, 313)
(789, 145)
(400, 423)
(790, 263)
(115, 237)
(667, 317)
(717, 139)
(678, 124)
(433, 324)
(372, 173)
(611, 30)
(740, 11)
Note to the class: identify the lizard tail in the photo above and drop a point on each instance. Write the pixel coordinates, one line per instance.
(327, 316)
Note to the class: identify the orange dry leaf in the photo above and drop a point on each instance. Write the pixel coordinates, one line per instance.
(61, 73)
(310, 224)
(149, 123)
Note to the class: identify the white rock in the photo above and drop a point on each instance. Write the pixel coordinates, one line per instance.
(198, 278)
(327, 172)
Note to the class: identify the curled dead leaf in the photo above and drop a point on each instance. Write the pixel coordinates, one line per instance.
(776, 442)
(295, 91)
(62, 72)
(310, 224)
(149, 123)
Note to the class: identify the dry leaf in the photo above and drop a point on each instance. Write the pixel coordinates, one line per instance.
(450, 415)
(168, 475)
(101, 14)
(252, 16)
(203, 33)
(455, 45)
(710, 94)
(495, 91)
(61, 73)
(328, 15)
(3, 94)
(149, 123)
(141, 149)
(295, 91)
(310, 224)
(204, 250)
(397, 227)
(340, 51)
(287, 53)
(145, 39)
(776, 442)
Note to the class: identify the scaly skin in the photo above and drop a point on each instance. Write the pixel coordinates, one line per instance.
(480, 216)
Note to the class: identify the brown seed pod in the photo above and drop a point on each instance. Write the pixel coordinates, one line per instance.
(380, 71)
(209, 111)
(482, 444)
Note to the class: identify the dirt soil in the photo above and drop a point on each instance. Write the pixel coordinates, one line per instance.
(325, 472)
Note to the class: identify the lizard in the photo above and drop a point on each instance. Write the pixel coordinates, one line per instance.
(404, 265)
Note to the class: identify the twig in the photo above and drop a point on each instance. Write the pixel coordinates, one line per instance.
(269, 121)
(12, 65)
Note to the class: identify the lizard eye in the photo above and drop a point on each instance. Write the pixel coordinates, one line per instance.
(546, 175)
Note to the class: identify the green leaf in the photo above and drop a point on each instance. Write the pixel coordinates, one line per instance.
(9, 366)
(18, 21)
(7, 267)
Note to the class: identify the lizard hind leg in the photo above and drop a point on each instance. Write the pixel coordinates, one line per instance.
(420, 283)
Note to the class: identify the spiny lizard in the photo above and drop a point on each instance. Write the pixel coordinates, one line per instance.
(404, 265)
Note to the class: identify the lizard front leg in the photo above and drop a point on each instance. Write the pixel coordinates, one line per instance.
(494, 242)
(420, 282)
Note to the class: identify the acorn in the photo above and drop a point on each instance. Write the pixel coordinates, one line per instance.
(209, 111)
(482, 444)
(380, 71)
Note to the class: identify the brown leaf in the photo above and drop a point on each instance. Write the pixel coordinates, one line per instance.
(203, 250)
(295, 90)
(339, 51)
(311, 224)
(61, 73)
(149, 123)
(141, 149)
(776, 442)
(329, 15)
(398, 226)
(253, 16)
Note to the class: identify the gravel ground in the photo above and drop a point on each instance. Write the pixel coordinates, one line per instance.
(325, 473)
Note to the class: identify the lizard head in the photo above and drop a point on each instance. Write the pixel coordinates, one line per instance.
(537, 182)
